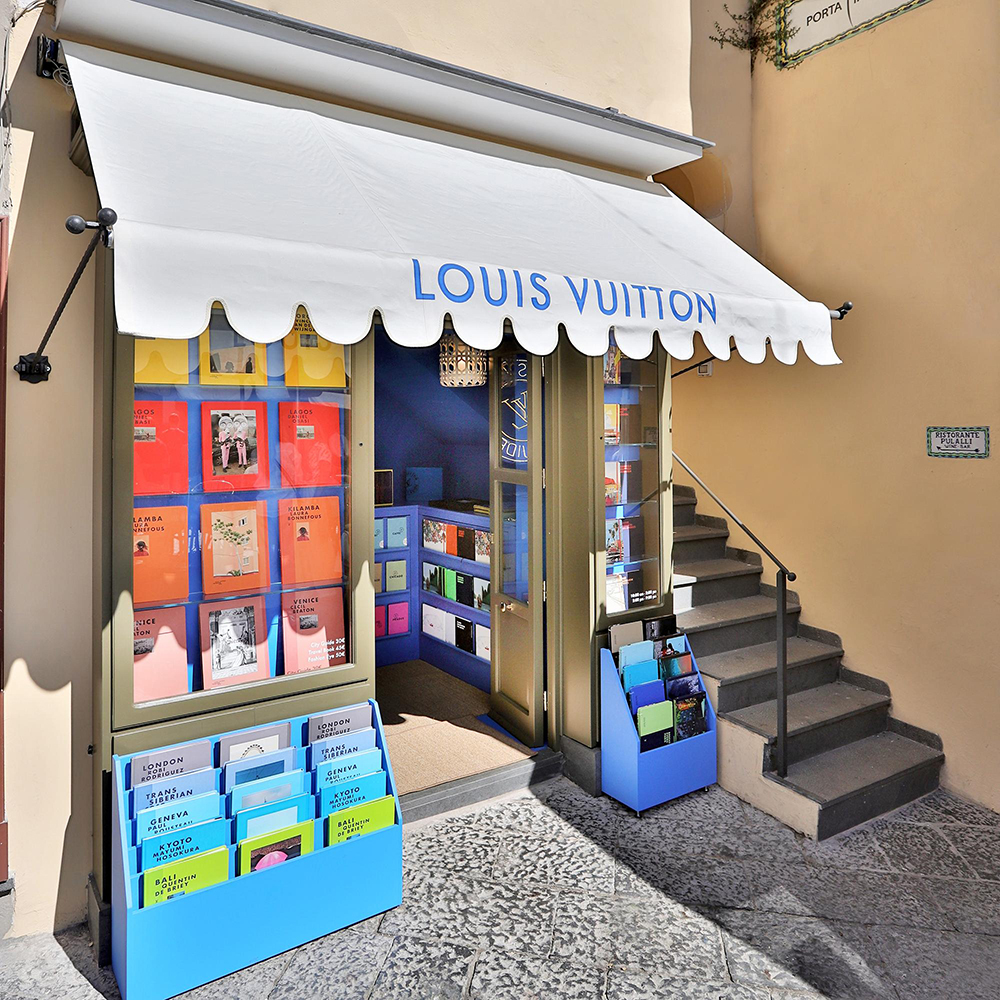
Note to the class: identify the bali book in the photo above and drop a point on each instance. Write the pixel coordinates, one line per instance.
(226, 358)
(311, 361)
(160, 659)
(234, 453)
(178, 878)
(234, 642)
(356, 821)
(309, 531)
(160, 447)
(234, 552)
(159, 361)
(309, 443)
(159, 555)
(312, 625)
(276, 847)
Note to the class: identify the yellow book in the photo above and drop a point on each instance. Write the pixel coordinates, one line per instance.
(311, 361)
(161, 362)
(226, 358)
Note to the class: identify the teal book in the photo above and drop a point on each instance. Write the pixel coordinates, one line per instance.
(639, 673)
(395, 533)
(271, 816)
(272, 789)
(379, 533)
(351, 792)
(346, 768)
(176, 815)
(183, 843)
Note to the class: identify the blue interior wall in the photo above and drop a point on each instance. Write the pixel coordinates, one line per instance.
(418, 422)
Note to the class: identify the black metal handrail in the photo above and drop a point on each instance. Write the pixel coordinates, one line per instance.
(784, 576)
(691, 368)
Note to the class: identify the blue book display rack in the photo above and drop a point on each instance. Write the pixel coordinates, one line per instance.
(641, 779)
(169, 947)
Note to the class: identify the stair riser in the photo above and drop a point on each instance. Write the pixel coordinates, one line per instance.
(871, 802)
(837, 733)
(754, 690)
(692, 595)
(684, 513)
(722, 638)
(698, 549)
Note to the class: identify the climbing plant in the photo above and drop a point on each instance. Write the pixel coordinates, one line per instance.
(761, 29)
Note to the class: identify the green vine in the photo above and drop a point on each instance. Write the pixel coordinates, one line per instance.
(761, 30)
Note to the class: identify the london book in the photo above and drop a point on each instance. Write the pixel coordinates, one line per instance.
(170, 762)
(339, 722)
(309, 533)
(159, 655)
(160, 447)
(313, 632)
(309, 444)
(234, 551)
(159, 555)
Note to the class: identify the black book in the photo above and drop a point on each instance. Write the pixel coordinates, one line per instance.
(652, 741)
(466, 543)
(689, 715)
(464, 588)
(660, 628)
(465, 635)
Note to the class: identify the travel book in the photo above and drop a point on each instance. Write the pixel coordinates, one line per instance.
(239, 772)
(690, 716)
(635, 652)
(433, 578)
(612, 429)
(449, 628)
(434, 535)
(616, 600)
(451, 539)
(613, 541)
(655, 717)
(312, 628)
(465, 637)
(234, 453)
(349, 767)
(254, 742)
(160, 447)
(159, 361)
(639, 673)
(275, 847)
(197, 839)
(466, 543)
(356, 821)
(169, 762)
(234, 550)
(481, 594)
(464, 589)
(647, 693)
(260, 820)
(395, 575)
(226, 358)
(323, 751)
(612, 483)
(378, 577)
(482, 641)
(613, 366)
(379, 533)
(483, 547)
(159, 555)
(309, 444)
(178, 878)
(624, 635)
(273, 789)
(381, 620)
(182, 786)
(176, 815)
(159, 655)
(339, 722)
(352, 791)
(432, 621)
(396, 532)
(311, 361)
(450, 584)
(234, 642)
(398, 618)
(675, 666)
(309, 531)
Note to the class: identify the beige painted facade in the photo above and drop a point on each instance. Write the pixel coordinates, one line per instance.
(873, 172)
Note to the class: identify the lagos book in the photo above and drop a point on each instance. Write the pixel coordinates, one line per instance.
(160, 447)
(309, 444)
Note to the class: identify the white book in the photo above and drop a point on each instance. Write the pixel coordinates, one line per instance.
(483, 641)
(432, 621)
(449, 628)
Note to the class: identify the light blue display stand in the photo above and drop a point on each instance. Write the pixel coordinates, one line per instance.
(174, 946)
(642, 780)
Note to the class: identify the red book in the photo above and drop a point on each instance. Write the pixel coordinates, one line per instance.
(160, 447)
(309, 533)
(312, 623)
(234, 446)
(159, 655)
(451, 539)
(309, 436)
(379, 620)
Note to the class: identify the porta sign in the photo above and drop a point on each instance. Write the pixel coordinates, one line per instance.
(958, 442)
(806, 26)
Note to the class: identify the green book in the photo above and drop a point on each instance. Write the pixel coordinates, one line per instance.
(395, 575)
(655, 718)
(450, 584)
(178, 878)
(366, 817)
(275, 847)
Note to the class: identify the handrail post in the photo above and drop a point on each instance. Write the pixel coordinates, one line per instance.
(782, 734)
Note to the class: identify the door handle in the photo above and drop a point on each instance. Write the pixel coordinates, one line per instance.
(506, 606)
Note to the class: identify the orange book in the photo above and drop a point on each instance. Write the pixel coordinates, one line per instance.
(234, 547)
(159, 555)
(312, 624)
(451, 539)
(309, 532)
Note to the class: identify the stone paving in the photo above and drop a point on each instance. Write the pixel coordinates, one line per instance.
(552, 895)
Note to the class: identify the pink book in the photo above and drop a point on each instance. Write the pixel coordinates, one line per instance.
(312, 623)
(399, 618)
(160, 663)
(379, 620)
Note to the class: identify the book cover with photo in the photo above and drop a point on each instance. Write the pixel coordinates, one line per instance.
(616, 601)
(234, 553)
(434, 535)
(611, 424)
(481, 594)
(613, 539)
(160, 660)
(433, 578)
(311, 361)
(226, 358)
(257, 853)
(160, 447)
(612, 483)
(234, 446)
(160, 544)
(234, 642)
(613, 366)
(309, 444)
(309, 534)
(484, 547)
(312, 625)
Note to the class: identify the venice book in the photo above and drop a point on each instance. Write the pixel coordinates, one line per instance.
(312, 628)
(197, 839)
(234, 642)
(309, 444)
(159, 655)
(178, 878)
(356, 821)
(275, 847)
(311, 361)
(159, 554)
(160, 447)
(234, 553)
(234, 453)
(159, 361)
(309, 533)
(226, 358)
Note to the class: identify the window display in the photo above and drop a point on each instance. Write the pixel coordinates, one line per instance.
(241, 510)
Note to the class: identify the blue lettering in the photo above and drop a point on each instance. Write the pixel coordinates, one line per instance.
(471, 287)
(520, 290)
(659, 299)
(710, 309)
(503, 287)
(628, 304)
(673, 308)
(535, 278)
(600, 298)
(642, 299)
(417, 289)
(579, 296)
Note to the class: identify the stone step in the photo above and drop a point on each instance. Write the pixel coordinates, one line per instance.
(684, 508)
(747, 676)
(725, 625)
(712, 580)
(819, 719)
(694, 542)
(857, 782)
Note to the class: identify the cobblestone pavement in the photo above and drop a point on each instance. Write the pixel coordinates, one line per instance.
(552, 895)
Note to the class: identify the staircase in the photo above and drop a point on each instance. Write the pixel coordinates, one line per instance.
(849, 760)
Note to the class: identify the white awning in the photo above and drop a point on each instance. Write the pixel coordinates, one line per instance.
(266, 201)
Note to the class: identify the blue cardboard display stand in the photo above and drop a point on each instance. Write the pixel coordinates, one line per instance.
(174, 946)
(642, 780)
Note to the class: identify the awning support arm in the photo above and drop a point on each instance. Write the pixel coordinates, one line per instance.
(842, 311)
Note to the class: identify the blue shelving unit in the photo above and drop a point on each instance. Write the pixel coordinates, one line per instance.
(403, 646)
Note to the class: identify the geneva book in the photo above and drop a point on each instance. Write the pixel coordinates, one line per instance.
(310, 448)
(309, 532)
(312, 623)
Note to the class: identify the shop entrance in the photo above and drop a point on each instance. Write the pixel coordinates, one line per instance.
(458, 564)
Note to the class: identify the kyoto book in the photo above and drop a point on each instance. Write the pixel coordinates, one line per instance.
(309, 532)
(159, 555)
(310, 360)
(160, 659)
(310, 446)
(234, 452)
(160, 447)
(234, 642)
(312, 626)
(234, 555)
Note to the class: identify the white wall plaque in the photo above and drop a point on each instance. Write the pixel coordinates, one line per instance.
(958, 442)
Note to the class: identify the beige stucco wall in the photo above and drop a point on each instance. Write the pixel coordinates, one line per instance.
(873, 180)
